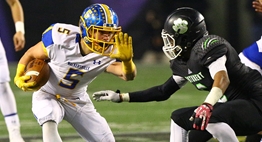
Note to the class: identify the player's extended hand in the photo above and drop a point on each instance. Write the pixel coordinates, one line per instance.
(201, 116)
(124, 46)
(107, 95)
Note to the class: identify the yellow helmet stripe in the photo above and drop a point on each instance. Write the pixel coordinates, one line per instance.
(107, 14)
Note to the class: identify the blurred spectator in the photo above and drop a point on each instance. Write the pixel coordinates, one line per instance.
(256, 21)
(12, 15)
(7, 31)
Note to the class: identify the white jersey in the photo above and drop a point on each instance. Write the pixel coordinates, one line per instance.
(5, 75)
(71, 72)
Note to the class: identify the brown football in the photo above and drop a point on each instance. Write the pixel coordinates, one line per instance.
(39, 71)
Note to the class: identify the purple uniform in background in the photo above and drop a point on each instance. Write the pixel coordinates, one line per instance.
(7, 30)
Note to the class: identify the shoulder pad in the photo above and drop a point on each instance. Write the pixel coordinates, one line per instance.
(210, 41)
(210, 46)
(59, 33)
(47, 36)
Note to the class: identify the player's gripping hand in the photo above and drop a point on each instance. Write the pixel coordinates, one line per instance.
(20, 82)
(124, 46)
(107, 95)
(20, 79)
(201, 116)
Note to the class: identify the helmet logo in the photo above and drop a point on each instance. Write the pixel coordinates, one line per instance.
(180, 26)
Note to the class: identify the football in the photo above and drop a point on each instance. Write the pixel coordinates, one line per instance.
(39, 71)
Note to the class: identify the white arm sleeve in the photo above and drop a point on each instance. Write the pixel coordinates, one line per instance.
(259, 44)
(179, 80)
(217, 66)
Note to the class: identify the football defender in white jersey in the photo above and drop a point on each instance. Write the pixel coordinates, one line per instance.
(77, 55)
(7, 98)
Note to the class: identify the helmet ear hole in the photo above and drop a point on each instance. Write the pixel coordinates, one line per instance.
(184, 39)
(176, 35)
(189, 44)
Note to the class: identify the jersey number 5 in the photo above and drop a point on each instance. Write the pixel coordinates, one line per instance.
(68, 82)
(64, 31)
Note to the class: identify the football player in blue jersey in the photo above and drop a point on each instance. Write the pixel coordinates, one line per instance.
(7, 98)
(211, 64)
(77, 55)
(252, 56)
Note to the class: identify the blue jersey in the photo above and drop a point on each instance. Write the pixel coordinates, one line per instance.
(254, 52)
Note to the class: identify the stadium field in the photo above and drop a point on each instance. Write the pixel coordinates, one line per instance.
(136, 122)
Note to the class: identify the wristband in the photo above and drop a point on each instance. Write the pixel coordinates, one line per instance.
(128, 66)
(124, 97)
(214, 95)
(19, 27)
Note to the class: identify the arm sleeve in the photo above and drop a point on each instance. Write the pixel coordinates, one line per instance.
(217, 66)
(156, 93)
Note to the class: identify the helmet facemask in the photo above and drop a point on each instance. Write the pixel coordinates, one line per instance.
(182, 29)
(99, 25)
(170, 48)
(91, 37)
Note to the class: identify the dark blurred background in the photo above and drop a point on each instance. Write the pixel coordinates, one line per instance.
(234, 20)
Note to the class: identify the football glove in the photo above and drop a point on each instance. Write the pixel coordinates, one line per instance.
(124, 52)
(107, 95)
(201, 116)
(20, 79)
(124, 46)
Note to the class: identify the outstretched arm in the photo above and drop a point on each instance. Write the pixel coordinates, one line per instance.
(156, 93)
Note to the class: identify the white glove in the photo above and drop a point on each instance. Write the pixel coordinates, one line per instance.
(107, 95)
